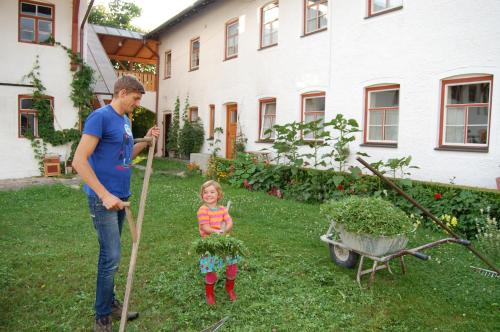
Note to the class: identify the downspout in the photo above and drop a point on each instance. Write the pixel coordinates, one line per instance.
(157, 85)
(83, 25)
(74, 31)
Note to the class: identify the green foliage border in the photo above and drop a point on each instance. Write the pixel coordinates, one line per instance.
(81, 95)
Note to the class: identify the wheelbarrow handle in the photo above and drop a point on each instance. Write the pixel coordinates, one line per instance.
(420, 255)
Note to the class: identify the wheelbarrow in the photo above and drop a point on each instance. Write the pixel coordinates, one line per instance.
(346, 256)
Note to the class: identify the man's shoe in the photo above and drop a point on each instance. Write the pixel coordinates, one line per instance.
(103, 324)
(116, 311)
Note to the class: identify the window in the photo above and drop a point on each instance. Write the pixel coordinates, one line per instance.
(313, 109)
(465, 111)
(382, 114)
(267, 118)
(28, 116)
(315, 18)
(232, 29)
(211, 129)
(193, 114)
(194, 62)
(168, 64)
(36, 22)
(381, 6)
(269, 18)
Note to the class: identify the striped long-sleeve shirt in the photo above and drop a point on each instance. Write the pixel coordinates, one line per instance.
(213, 217)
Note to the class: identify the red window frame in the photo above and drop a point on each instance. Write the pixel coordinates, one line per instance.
(368, 90)
(271, 5)
(211, 128)
(191, 53)
(384, 11)
(227, 37)
(305, 96)
(263, 102)
(168, 64)
(33, 111)
(36, 20)
(191, 111)
(306, 7)
(442, 121)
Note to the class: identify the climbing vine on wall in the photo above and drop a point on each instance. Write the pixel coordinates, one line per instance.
(81, 95)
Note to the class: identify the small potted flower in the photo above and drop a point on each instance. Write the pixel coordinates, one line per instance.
(369, 225)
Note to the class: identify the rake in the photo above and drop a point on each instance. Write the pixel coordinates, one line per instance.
(135, 228)
(468, 245)
(486, 273)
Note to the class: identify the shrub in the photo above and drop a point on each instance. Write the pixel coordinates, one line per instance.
(488, 237)
(191, 138)
(142, 120)
(318, 186)
(368, 215)
(173, 137)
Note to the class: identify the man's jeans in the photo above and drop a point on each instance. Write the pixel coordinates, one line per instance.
(108, 225)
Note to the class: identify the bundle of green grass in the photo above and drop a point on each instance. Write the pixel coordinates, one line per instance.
(220, 245)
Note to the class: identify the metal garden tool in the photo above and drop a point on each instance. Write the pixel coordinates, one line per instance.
(216, 326)
(427, 213)
(135, 228)
(485, 272)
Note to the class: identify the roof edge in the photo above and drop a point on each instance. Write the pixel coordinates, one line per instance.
(189, 11)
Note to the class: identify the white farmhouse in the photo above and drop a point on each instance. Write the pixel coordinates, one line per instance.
(26, 27)
(418, 76)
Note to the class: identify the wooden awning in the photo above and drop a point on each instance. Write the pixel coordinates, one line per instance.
(124, 45)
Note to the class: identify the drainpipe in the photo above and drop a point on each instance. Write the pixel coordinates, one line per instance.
(157, 86)
(83, 25)
(74, 31)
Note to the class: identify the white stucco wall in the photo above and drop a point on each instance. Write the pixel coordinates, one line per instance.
(415, 47)
(284, 71)
(16, 154)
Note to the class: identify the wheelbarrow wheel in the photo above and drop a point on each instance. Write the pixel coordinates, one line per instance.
(343, 257)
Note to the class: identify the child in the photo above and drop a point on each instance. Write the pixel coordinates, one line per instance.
(214, 218)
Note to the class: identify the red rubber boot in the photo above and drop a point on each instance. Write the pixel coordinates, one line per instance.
(230, 289)
(209, 293)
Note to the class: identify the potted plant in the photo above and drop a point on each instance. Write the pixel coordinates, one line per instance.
(369, 225)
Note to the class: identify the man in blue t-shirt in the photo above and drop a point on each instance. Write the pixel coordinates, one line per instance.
(103, 160)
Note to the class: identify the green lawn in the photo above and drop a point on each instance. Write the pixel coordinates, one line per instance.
(49, 253)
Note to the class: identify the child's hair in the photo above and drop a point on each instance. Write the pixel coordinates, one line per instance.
(216, 186)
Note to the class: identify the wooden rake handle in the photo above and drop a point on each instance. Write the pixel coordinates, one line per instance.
(131, 223)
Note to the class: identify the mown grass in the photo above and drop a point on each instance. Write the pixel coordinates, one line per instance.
(49, 253)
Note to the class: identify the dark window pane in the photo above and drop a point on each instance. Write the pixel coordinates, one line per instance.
(27, 29)
(27, 124)
(469, 93)
(44, 11)
(477, 134)
(26, 104)
(384, 99)
(27, 8)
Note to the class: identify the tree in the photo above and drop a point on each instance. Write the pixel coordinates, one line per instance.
(119, 14)
(142, 120)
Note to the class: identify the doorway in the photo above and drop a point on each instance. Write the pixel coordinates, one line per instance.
(167, 123)
(231, 129)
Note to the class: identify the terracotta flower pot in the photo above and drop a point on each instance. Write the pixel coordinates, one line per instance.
(498, 183)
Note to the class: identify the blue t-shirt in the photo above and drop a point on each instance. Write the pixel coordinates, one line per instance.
(111, 159)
